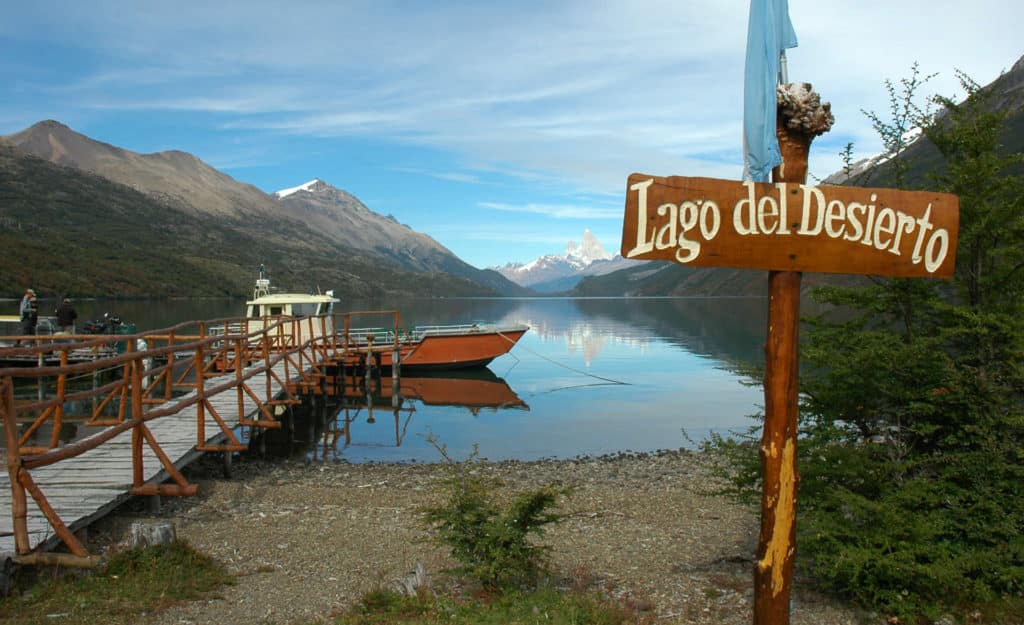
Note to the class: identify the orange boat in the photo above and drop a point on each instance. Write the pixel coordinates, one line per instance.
(436, 347)
(422, 347)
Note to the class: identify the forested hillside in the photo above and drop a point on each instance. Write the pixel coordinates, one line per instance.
(68, 232)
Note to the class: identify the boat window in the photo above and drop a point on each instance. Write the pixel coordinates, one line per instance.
(252, 312)
(305, 308)
(274, 310)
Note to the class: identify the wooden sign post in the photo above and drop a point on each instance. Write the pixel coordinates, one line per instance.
(788, 227)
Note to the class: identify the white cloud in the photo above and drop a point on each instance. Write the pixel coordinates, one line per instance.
(450, 176)
(567, 97)
(557, 211)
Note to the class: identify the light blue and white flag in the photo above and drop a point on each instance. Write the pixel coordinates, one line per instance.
(769, 34)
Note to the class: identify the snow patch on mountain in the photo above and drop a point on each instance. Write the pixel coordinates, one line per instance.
(906, 140)
(308, 186)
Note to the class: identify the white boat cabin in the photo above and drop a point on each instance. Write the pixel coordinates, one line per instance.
(267, 304)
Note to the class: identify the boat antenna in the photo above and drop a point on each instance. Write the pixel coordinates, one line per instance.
(262, 284)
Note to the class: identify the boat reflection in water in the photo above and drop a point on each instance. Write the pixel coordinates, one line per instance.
(377, 411)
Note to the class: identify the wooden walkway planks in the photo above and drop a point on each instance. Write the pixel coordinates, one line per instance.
(88, 486)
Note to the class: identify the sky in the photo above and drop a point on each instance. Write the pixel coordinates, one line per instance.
(502, 129)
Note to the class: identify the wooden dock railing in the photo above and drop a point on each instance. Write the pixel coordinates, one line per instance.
(152, 375)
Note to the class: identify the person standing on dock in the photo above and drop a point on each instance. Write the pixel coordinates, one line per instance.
(29, 313)
(66, 315)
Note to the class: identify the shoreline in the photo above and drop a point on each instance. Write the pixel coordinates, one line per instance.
(308, 540)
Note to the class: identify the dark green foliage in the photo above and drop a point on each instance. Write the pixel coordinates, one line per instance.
(495, 546)
(131, 584)
(912, 426)
(912, 401)
(540, 606)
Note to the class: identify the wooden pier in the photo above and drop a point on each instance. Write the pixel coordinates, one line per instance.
(212, 380)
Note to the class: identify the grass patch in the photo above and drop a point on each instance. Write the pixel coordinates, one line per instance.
(547, 606)
(131, 583)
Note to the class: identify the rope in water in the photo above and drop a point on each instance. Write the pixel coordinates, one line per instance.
(565, 366)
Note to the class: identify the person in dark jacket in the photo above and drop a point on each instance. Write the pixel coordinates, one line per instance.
(66, 316)
(29, 313)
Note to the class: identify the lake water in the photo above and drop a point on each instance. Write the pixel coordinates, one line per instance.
(592, 376)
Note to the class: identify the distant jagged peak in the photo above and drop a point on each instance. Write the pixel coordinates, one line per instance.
(588, 251)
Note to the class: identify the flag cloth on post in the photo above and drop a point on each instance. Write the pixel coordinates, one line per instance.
(769, 34)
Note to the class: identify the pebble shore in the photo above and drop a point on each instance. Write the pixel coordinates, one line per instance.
(308, 540)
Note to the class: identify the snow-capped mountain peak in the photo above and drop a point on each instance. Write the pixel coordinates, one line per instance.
(553, 272)
(586, 252)
(308, 186)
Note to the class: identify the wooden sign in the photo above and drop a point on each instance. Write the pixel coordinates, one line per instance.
(784, 226)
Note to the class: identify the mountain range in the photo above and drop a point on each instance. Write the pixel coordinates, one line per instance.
(89, 218)
(554, 273)
(84, 218)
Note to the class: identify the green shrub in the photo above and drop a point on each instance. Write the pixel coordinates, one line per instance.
(495, 547)
(911, 449)
(132, 583)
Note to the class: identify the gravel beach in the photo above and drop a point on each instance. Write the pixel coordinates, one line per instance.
(308, 540)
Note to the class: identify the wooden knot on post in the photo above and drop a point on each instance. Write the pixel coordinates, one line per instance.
(802, 116)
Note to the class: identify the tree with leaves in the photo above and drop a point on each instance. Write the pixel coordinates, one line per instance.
(913, 411)
(911, 447)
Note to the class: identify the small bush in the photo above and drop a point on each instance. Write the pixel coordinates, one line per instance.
(493, 545)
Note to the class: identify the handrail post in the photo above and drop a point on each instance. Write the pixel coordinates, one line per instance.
(238, 379)
(138, 474)
(58, 417)
(265, 345)
(169, 379)
(282, 350)
(396, 354)
(200, 387)
(126, 380)
(297, 342)
(19, 503)
(334, 335)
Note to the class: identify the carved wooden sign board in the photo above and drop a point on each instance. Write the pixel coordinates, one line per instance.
(706, 222)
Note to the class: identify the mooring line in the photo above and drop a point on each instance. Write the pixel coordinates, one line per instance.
(565, 366)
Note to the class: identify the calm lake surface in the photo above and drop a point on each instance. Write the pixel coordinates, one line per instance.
(592, 376)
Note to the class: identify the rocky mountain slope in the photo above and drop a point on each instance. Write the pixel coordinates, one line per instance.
(338, 234)
(341, 216)
(176, 178)
(923, 158)
(70, 232)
